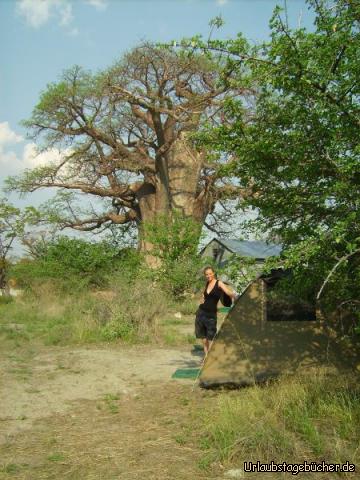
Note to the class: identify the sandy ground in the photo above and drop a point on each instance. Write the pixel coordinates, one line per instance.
(99, 413)
(104, 413)
(48, 381)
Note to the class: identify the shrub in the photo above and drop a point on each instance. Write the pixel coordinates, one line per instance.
(6, 299)
(175, 239)
(118, 328)
(71, 262)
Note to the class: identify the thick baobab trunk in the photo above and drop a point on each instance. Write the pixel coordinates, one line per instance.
(175, 189)
(147, 213)
(184, 174)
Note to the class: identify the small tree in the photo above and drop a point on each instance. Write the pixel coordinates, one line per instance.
(12, 226)
(175, 240)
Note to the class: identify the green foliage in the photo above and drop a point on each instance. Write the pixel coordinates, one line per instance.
(78, 256)
(241, 271)
(118, 328)
(73, 262)
(299, 154)
(12, 226)
(130, 264)
(6, 299)
(173, 236)
(175, 239)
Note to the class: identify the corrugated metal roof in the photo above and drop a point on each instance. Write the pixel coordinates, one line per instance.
(251, 248)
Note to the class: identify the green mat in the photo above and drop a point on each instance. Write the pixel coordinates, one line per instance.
(224, 309)
(190, 373)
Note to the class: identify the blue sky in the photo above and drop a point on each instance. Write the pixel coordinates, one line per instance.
(41, 38)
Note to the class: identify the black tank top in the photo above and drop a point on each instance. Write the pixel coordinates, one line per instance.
(211, 299)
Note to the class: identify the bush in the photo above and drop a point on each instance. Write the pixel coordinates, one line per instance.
(181, 276)
(118, 328)
(175, 239)
(6, 299)
(142, 301)
(72, 263)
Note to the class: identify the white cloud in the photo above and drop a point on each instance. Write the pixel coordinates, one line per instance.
(35, 12)
(66, 15)
(8, 160)
(31, 158)
(98, 4)
(11, 162)
(221, 2)
(38, 12)
(8, 136)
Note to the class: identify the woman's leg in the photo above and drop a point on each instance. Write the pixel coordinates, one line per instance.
(207, 345)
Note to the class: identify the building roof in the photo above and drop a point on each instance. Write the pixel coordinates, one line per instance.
(250, 248)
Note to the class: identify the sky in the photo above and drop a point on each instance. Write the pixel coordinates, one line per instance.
(39, 39)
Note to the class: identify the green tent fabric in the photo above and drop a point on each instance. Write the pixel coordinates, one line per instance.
(260, 339)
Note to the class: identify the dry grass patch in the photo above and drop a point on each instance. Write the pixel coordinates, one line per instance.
(307, 417)
(128, 312)
(132, 437)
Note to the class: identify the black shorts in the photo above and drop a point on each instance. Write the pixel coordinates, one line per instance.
(205, 325)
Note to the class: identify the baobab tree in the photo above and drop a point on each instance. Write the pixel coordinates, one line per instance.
(126, 137)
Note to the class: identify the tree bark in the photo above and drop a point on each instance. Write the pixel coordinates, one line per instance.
(174, 189)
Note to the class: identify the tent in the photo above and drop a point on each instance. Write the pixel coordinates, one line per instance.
(264, 335)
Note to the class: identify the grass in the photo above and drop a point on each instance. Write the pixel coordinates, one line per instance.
(6, 299)
(129, 314)
(109, 403)
(56, 457)
(302, 418)
(10, 468)
(188, 306)
(171, 337)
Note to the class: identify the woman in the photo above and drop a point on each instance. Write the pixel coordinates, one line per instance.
(206, 316)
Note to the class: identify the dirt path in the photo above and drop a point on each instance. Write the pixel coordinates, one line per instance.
(44, 382)
(98, 413)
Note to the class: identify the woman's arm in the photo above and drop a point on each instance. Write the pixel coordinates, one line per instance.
(227, 290)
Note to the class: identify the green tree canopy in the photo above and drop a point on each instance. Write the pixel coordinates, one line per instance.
(300, 151)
